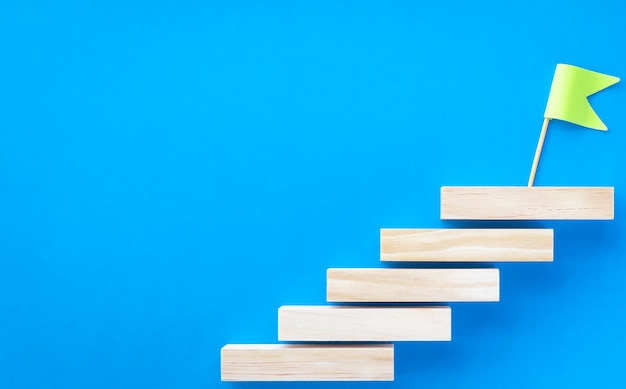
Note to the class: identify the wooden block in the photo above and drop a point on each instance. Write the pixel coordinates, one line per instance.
(412, 285)
(526, 203)
(267, 362)
(363, 324)
(467, 245)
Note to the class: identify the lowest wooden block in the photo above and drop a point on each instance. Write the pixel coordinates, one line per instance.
(266, 362)
(526, 203)
(362, 324)
(466, 245)
(412, 285)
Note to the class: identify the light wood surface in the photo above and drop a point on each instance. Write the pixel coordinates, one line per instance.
(466, 245)
(412, 285)
(526, 203)
(362, 324)
(266, 362)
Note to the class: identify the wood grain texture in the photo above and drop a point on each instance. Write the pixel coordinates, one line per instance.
(526, 203)
(467, 245)
(412, 285)
(363, 324)
(266, 362)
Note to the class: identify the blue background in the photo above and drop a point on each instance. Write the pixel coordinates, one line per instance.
(173, 172)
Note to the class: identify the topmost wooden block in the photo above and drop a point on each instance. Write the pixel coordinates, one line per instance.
(526, 203)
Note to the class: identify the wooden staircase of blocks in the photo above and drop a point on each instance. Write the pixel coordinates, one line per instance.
(311, 360)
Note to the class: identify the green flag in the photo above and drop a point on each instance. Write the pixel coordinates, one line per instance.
(568, 95)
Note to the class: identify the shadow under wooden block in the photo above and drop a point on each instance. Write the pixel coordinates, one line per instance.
(267, 362)
(467, 245)
(412, 285)
(526, 203)
(364, 324)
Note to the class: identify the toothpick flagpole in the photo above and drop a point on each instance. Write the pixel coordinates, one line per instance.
(542, 137)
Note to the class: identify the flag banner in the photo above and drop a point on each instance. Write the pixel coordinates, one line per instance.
(568, 95)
